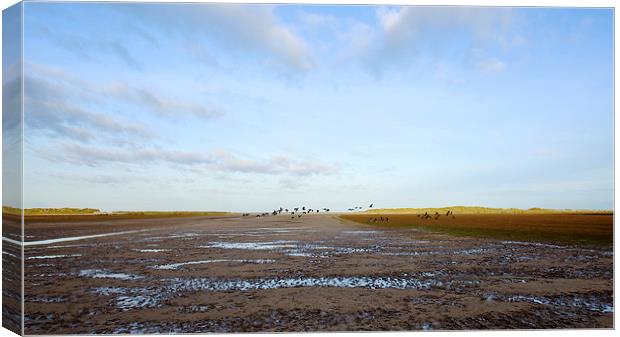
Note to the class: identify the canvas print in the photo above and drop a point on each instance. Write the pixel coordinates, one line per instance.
(209, 167)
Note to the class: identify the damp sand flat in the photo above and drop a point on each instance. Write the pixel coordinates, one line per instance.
(325, 274)
(76, 238)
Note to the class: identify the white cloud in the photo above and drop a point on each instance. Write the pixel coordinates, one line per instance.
(241, 29)
(485, 63)
(96, 156)
(11, 98)
(407, 34)
(64, 85)
(491, 65)
(401, 23)
(156, 103)
(84, 47)
(49, 107)
(196, 161)
(317, 20)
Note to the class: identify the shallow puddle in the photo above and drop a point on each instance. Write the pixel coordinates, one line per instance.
(151, 250)
(9, 254)
(272, 245)
(100, 273)
(293, 248)
(173, 266)
(73, 246)
(132, 298)
(233, 235)
(107, 291)
(360, 232)
(52, 256)
(75, 238)
(592, 303)
(536, 244)
(302, 282)
(183, 235)
(137, 301)
(47, 299)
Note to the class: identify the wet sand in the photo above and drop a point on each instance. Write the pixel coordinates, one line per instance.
(317, 273)
(11, 273)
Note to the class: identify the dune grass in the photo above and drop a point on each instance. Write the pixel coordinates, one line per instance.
(560, 228)
(50, 211)
(92, 214)
(482, 210)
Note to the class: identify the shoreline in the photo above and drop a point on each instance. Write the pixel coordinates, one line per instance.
(115, 216)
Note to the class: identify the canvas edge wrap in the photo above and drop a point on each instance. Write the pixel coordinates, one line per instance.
(12, 169)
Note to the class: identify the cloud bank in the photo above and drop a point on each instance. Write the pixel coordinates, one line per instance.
(213, 161)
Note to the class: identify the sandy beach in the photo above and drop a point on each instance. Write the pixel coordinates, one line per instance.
(315, 273)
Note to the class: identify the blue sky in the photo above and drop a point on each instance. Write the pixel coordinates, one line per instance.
(252, 107)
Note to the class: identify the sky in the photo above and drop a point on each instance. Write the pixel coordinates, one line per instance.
(252, 107)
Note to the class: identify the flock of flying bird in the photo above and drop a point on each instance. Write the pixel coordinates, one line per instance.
(299, 211)
(358, 207)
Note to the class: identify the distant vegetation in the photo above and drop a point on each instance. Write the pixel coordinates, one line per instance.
(11, 210)
(79, 214)
(562, 228)
(50, 211)
(480, 210)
